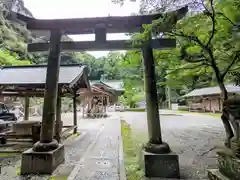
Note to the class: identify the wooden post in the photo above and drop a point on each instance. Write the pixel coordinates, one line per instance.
(104, 104)
(51, 88)
(154, 129)
(108, 100)
(103, 108)
(83, 106)
(88, 103)
(74, 113)
(26, 108)
(58, 124)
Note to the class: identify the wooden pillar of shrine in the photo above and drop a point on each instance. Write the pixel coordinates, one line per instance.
(75, 112)
(83, 106)
(89, 105)
(103, 107)
(26, 108)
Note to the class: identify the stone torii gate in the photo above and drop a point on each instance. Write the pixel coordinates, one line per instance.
(47, 154)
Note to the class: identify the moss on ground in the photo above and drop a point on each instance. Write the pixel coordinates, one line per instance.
(71, 135)
(18, 171)
(8, 155)
(58, 178)
(77, 134)
(135, 109)
(131, 154)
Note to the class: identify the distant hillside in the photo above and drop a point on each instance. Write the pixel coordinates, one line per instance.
(14, 37)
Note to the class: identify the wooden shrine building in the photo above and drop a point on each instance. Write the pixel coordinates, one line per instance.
(95, 102)
(29, 81)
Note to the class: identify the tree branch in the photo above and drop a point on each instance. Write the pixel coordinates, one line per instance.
(212, 16)
(190, 38)
(234, 60)
(186, 68)
(232, 70)
(192, 59)
(234, 24)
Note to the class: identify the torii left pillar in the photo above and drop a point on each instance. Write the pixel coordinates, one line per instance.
(47, 153)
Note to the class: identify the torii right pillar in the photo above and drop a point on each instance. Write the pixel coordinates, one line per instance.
(159, 160)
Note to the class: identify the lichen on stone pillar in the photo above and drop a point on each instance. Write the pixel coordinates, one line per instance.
(47, 143)
(155, 144)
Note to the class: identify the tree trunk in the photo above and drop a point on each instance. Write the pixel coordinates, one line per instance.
(223, 89)
(225, 115)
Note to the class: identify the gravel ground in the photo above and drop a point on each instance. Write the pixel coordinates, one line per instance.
(191, 136)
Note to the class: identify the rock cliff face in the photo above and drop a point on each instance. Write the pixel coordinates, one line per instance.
(14, 35)
(17, 6)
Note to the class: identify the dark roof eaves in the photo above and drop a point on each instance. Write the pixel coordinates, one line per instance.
(82, 74)
(39, 65)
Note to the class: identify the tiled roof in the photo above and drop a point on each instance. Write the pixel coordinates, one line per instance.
(212, 91)
(114, 84)
(36, 74)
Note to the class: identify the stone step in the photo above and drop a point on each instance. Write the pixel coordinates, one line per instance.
(215, 174)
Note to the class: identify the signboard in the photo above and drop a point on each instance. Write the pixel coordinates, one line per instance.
(174, 106)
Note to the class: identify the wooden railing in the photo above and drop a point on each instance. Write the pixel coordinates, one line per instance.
(197, 107)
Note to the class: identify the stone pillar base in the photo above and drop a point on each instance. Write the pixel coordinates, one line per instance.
(161, 165)
(41, 162)
(215, 174)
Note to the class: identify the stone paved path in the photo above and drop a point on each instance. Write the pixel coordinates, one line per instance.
(100, 161)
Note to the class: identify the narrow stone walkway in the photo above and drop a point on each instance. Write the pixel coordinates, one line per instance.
(101, 159)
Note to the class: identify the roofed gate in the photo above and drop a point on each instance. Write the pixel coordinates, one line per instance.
(100, 27)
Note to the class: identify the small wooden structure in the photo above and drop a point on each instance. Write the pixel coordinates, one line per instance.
(209, 98)
(95, 102)
(29, 81)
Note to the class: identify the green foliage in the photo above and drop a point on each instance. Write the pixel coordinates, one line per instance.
(13, 38)
(133, 92)
(208, 48)
(135, 109)
(7, 59)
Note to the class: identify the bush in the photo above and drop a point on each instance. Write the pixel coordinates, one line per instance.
(136, 109)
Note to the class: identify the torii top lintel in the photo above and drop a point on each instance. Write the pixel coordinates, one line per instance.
(112, 24)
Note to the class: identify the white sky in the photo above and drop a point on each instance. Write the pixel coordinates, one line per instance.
(59, 9)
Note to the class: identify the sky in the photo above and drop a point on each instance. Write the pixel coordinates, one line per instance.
(60, 9)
